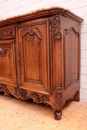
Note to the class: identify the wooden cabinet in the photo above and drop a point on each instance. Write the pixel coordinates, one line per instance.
(40, 57)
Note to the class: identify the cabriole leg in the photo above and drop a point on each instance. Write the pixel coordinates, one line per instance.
(76, 97)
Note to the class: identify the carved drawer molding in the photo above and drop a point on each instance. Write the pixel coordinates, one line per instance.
(7, 33)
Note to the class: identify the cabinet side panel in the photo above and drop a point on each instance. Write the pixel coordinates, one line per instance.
(71, 56)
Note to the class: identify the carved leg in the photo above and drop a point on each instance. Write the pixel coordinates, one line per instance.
(57, 115)
(76, 97)
(56, 102)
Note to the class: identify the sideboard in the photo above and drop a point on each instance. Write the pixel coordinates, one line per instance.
(40, 57)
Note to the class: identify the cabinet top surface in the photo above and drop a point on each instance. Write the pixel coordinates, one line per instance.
(42, 13)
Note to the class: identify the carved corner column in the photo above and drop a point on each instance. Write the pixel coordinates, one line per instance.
(56, 97)
(56, 102)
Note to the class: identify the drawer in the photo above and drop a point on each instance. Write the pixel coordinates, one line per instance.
(7, 32)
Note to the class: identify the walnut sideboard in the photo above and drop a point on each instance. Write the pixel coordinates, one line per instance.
(40, 57)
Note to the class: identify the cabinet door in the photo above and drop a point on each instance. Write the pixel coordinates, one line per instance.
(34, 55)
(7, 62)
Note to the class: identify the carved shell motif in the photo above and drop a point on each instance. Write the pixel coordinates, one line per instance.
(33, 34)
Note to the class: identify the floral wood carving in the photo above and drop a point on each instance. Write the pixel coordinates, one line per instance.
(6, 33)
(4, 89)
(21, 93)
(4, 50)
(35, 97)
(44, 98)
(33, 34)
(57, 28)
(57, 95)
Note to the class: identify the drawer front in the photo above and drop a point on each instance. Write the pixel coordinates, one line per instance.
(7, 33)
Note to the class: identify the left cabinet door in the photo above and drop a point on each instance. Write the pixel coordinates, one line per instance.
(7, 62)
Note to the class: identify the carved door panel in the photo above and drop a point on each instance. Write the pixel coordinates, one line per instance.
(34, 56)
(7, 62)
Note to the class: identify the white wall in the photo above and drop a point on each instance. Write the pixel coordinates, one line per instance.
(10, 8)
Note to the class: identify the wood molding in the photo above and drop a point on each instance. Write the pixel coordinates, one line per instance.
(7, 33)
(71, 74)
(22, 94)
(41, 13)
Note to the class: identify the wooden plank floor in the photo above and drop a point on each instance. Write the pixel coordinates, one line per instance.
(25, 115)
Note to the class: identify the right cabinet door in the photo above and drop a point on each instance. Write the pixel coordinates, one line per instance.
(34, 55)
